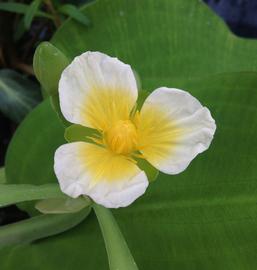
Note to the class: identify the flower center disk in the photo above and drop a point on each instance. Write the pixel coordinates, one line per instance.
(121, 138)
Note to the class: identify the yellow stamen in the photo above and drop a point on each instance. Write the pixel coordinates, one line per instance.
(121, 138)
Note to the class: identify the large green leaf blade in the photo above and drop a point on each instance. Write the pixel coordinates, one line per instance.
(179, 37)
(30, 155)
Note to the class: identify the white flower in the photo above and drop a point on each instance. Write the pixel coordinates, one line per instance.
(100, 92)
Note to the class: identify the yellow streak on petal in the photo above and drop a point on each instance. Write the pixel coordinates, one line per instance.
(102, 164)
(158, 134)
(104, 107)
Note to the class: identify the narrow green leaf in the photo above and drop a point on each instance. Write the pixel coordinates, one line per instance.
(39, 227)
(151, 171)
(75, 133)
(18, 95)
(2, 175)
(138, 80)
(62, 205)
(10, 194)
(31, 13)
(119, 255)
(142, 95)
(14, 7)
(74, 13)
(22, 9)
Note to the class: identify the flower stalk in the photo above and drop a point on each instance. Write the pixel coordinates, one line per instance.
(119, 255)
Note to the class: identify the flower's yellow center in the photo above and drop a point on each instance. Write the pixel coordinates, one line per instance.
(121, 138)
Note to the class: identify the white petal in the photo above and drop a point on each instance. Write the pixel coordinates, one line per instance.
(96, 90)
(87, 169)
(174, 127)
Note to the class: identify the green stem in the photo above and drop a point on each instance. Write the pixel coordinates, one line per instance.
(10, 194)
(119, 255)
(38, 227)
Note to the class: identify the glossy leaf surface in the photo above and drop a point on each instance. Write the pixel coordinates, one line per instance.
(18, 95)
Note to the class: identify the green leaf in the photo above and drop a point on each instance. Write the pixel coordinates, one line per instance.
(142, 95)
(21, 9)
(119, 255)
(74, 13)
(62, 205)
(150, 171)
(14, 7)
(2, 175)
(31, 13)
(205, 217)
(30, 155)
(55, 103)
(75, 133)
(18, 95)
(48, 64)
(138, 80)
(29, 230)
(11, 194)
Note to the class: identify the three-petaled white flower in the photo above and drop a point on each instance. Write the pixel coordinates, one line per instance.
(100, 92)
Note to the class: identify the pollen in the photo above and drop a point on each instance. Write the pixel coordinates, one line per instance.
(121, 138)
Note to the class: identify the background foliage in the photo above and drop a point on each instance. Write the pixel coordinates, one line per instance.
(204, 218)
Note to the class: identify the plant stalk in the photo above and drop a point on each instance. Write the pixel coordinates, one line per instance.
(51, 9)
(119, 255)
